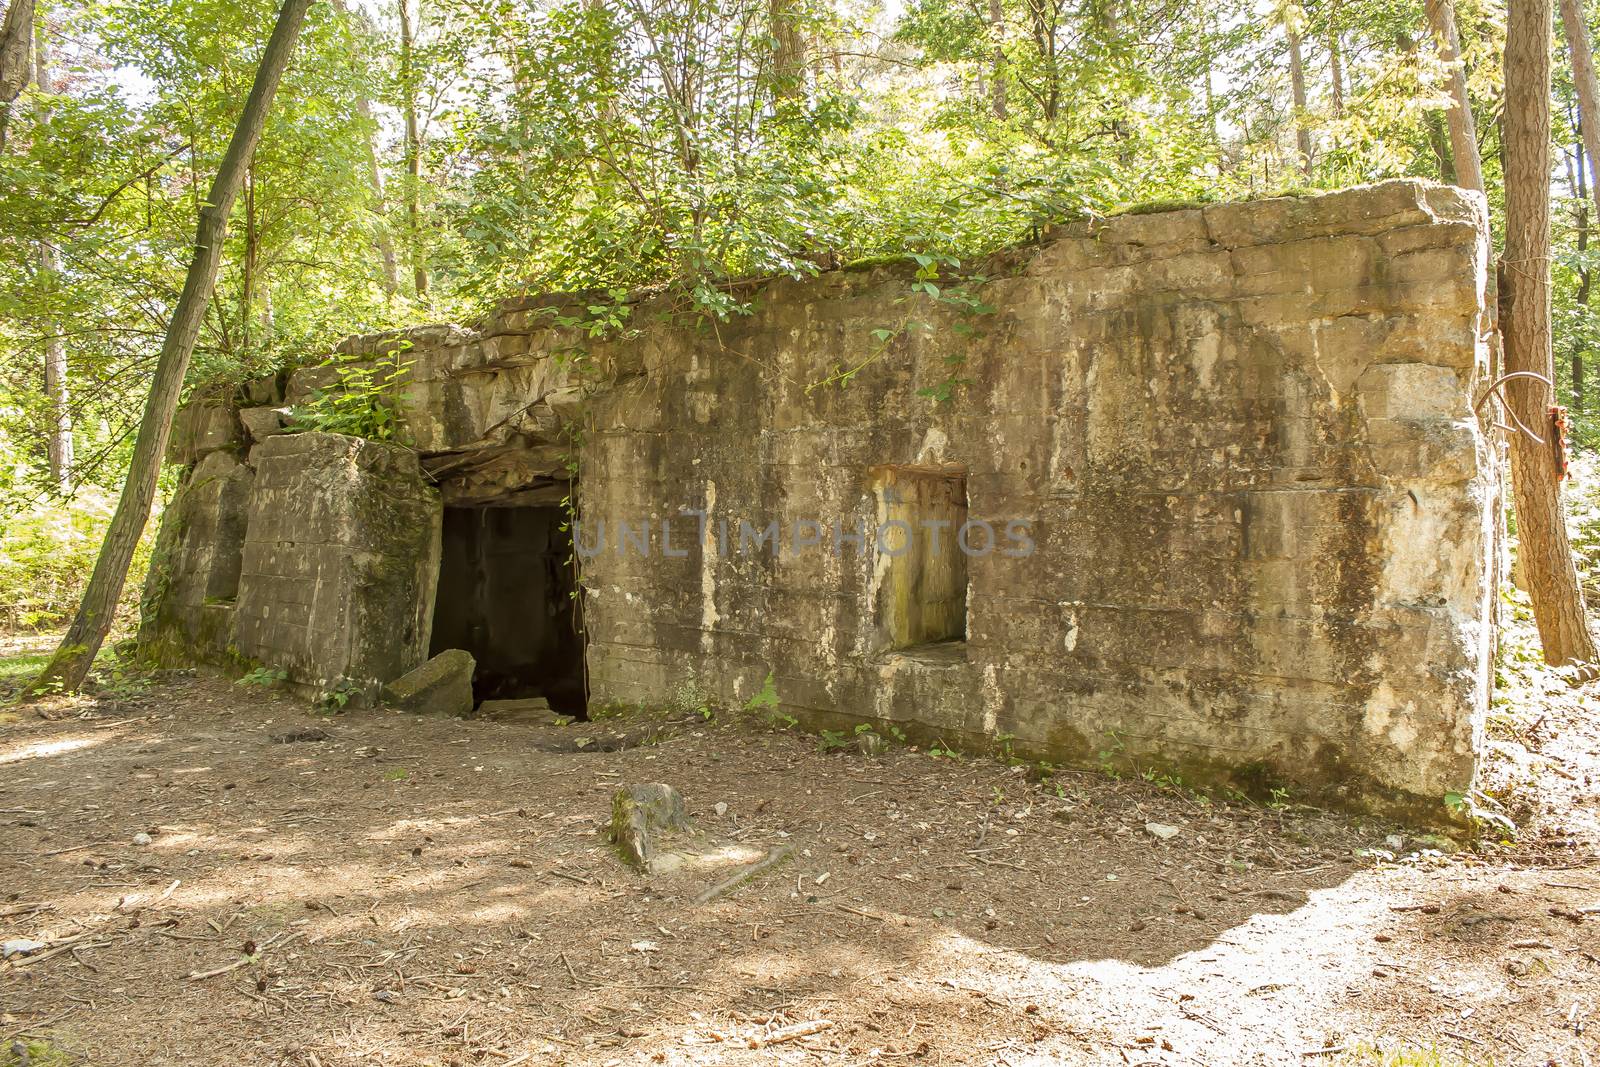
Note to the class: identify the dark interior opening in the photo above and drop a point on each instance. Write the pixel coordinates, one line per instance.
(506, 585)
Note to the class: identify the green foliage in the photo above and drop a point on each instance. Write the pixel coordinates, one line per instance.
(264, 677)
(47, 551)
(336, 698)
(766, 700)
(34, 1052)
(360, 401)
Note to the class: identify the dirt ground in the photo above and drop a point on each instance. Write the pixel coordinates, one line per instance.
(407, 891)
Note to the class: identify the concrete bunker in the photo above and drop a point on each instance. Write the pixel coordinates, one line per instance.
(1229, 512)
(507, 593)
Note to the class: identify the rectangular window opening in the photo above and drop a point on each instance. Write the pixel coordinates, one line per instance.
(922, 597)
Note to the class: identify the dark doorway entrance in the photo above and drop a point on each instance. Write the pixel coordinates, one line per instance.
(506, 586)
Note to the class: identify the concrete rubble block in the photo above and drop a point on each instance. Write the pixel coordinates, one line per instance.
(340, 561)
(199, 428)
(264, 391)
(441, 686)
(263, 422)
(524, 709)
(641, 817)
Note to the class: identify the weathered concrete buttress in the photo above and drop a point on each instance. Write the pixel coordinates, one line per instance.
(1207, 496)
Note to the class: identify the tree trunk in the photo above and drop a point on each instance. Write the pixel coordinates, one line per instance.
(1335, 59)
(1581, 50)
(1297, 85)
(1463, 133)
(788, 50)
(16, 62)
(408, 82)
(1585, 277)
(56, 391)
(380, 237)
(72, 660)
(997, 68)
(252, 260)
(1545, 553)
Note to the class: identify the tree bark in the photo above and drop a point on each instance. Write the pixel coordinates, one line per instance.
(788, 50)
(997, 63)
(1585, 278)
(381, 238)
(1297, 85)
(16, 62)
(1335, 59)
(1463, 132)
(56, 391)
(72, 660)
(1581, 49)
(408, 81)
(1546, 555)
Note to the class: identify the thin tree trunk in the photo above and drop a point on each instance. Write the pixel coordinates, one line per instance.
(1581, 49)
(788, 50)
(1463, 132)
(408, 81)
(1581, 297)
(72, 660)
(56, 390)
(1335, 59)
(997, 68)
(1297, 85)
(1546, 555)
(252, 259)
(381, 238)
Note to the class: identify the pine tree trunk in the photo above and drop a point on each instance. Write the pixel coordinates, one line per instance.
(408, 81)
(1545, 554)
(1463, 133)
(56, 390)
(70, 664)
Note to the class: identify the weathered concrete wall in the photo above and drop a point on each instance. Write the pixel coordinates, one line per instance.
(188, 597)
(339, 562)
(1239, 439)
(1243, 439)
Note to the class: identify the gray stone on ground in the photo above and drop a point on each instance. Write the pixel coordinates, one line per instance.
(1164, 831)
(522, 709)
(441, 686)
(641, 815)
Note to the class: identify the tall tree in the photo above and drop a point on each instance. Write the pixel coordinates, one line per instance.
(408, 89)
(1584, 81)
(1463, 133)
(1335, 61)
(1545, 553)
(70, 664)
(56, 391)
(997, 65)
(16, 67)
(1292, 18)
(1579, 183)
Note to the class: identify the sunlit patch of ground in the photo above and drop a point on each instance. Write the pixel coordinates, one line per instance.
(434, 892)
